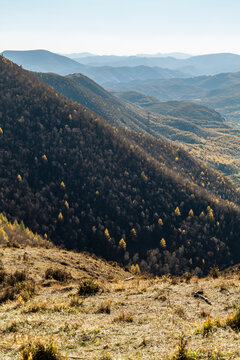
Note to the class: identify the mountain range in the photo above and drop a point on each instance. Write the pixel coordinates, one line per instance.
(115, 69)
(220, 91)
(46, 61)
(200, 129)
(209, 64)
(91, 185)
(177, 55)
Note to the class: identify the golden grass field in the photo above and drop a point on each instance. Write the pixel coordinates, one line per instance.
(142, 318)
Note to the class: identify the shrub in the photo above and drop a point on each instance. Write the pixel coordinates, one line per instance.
(178, 310)
(234, 320)
(40, 351)
(57, 274)
(35, 307)
(106, 356)
(105, 307)
(187, 277)
(75, 301)
(216, 356)
(207, 327)
(89, 287)
(214, 272)
(2, 276)
(13, 327)
(18, 276)
(182, 351)
(122, 317)
(16, 284)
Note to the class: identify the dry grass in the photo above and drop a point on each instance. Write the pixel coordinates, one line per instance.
(140, 319)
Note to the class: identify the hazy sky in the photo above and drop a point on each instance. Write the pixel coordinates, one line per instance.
(121, 26)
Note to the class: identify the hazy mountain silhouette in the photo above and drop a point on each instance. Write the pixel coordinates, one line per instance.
(221, 91)
(44, 61)
(195, 65)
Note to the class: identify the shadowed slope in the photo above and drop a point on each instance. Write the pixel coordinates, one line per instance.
(88, 185)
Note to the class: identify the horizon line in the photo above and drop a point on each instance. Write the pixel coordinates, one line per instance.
(190, 54)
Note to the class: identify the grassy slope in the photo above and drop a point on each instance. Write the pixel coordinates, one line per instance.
(159, 310)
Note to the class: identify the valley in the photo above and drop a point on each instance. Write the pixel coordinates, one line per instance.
(200, 130)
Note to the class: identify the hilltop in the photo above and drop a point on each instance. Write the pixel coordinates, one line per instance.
(202, 115)
(92, 186)
(43, 60)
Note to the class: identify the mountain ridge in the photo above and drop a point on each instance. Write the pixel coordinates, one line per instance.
(88, 184)
(46, 61)
(201, 130)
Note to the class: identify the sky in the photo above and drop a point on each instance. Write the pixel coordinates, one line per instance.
(121, 27)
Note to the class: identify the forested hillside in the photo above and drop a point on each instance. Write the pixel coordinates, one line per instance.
(90, 186)
(201, 130)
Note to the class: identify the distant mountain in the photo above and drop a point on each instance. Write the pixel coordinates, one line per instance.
(221, 92)
(78, 55)
(201, 130)
(112, 69)
(86, 92)
(214, 63)
(108, 75)
(44, 61)
(96, 187)
(195, 65)
(176, 55)
(203, 115)
(130, 61)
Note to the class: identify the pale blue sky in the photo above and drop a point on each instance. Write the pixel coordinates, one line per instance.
(121, 26)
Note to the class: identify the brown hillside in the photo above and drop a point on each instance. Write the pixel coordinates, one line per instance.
(141, 318)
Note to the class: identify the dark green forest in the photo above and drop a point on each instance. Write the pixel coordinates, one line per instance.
(91, 186)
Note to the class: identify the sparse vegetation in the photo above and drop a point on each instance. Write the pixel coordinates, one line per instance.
(207, 327)
(105, 307)
(214, 272)
(122, 317)
(182, 352)
(88, 288)
(16, 284)
(81, 327)
(57, 274)
(40, 351)
(233, 320)
(106, 356)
